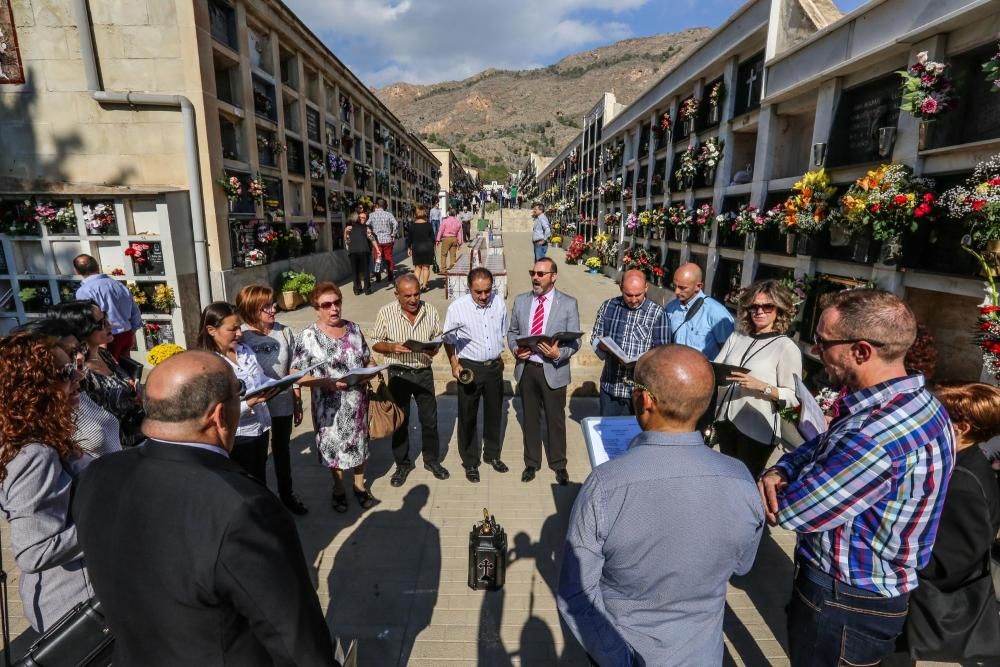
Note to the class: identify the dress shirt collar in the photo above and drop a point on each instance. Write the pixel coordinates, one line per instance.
(489, 302)
(93, 276)
(880, 394)
(685, 306)
(398, 310)
(215, 449)
(663, 439)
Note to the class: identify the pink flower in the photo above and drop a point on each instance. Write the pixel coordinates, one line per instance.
(929, 106)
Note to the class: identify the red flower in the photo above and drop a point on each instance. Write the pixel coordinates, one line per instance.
(929, 197)
(875, 208)
(978, 204)
(994, 181)
(921, 211)
(992, 346)
(899, 200)
(989, 309)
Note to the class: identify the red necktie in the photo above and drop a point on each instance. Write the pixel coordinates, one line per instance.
(539, 317)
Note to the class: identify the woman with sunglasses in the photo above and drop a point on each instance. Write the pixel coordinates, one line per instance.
(39, 464)
(219, 331)
(748, 420)
(340, 413)
(272, 344)
(105, 380)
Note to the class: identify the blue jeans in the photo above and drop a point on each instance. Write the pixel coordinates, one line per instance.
(434, 227)
(540, 250)
(831, 623)
(612, 406)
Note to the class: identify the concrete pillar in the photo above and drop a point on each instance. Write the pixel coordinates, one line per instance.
(826, 107)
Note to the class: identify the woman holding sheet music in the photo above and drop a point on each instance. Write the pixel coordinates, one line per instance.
(219, 332)
(748, 420)
(340, 412)
(272, 344)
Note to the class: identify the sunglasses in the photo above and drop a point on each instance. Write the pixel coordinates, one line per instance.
(68, 371)
(327, 305)
(271, 308)
(539, 274)
(824, 344)
(766, 308)
(641, 387)
(103, 323)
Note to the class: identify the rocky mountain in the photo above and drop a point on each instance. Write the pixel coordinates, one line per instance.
(499, 116)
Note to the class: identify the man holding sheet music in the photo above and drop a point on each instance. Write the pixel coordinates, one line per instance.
(400, 329)
(626, 326)
(544, 333)
(479, 321)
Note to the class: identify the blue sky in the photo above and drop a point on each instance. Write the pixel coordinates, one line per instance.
(427, 41)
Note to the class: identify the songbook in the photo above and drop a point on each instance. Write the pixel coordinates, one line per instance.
(562, 337)
(723, 371)
(812, 421)
(608, 437)
(281, 383)
(615, 350)
(423, 345)
(357, 375)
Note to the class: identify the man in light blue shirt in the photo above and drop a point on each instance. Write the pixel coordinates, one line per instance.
(635, 586)
(697, 320)
(434, 217)
(114, 299)
(540, 232)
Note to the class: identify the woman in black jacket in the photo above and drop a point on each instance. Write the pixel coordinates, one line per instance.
(953, 611)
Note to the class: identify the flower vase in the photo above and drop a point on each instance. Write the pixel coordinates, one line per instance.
(751, 240)
(992, 256)
(705, 235)
(790, 241)
(709, 177)
(713, 115)
(687, 182)
(807, 244)
(923, 134)
(681, 234)
(689, 126)
(864, 248)
(654, 232)
(891, 252)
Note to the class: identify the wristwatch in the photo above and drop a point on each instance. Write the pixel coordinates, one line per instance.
(767, 390)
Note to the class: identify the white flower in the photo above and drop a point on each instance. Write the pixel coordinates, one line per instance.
(922, 57)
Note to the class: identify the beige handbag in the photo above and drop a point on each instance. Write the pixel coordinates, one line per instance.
(384, 416)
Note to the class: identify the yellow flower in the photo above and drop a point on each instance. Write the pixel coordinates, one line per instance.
(162, 352)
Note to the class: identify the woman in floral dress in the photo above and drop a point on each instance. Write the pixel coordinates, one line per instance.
(340, 413)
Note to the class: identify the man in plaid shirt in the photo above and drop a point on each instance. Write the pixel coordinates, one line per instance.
(385, 227)
(866, 496)
(635, 324)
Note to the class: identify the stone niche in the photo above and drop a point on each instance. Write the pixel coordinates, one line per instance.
(793, 135)
(952, 320)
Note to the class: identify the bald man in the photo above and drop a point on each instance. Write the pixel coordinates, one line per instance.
(657, 532)
(697, 320)
(193, 559)
(635, 324)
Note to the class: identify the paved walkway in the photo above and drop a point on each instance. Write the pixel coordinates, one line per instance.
(395, 576)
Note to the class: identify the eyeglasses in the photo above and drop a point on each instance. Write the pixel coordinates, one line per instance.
(103, 323)
(824, 344)
(68, 371)
(641, 387)
(327, 305)
(270, 308)
(766, 308)
(539, 274)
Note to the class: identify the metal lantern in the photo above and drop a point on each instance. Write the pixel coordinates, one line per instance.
(487, 554)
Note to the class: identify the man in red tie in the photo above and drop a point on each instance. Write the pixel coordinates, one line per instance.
(542, 370)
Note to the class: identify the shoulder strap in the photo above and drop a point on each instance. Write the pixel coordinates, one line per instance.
(693, 310)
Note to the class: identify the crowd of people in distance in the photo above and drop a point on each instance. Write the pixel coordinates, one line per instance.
(108, 483)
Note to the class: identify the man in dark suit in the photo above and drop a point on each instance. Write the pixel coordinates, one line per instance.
(194, 561)
(542, 370)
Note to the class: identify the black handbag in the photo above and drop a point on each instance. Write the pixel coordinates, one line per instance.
(81, 638)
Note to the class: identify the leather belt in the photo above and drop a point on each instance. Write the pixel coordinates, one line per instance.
(535, 363)
(488, 364)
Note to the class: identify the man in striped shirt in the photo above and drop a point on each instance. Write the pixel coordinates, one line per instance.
(476, 347)
(385, 227)
(866, 496)
(635, 324)
(410, 319)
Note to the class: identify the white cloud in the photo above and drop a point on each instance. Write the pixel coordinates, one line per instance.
(427, 41)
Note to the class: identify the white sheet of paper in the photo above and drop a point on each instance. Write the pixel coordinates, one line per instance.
(812, 421)
(286, 381)
(608, 437)
(616, 350)
(355, 375)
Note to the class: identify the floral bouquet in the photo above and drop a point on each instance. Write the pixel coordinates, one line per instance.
(118, 271)
(799, 287)
(163, 298)
(638, 257)
(99, 218)
(55, 219)
(162, 352)
(991, 68)
(702, 216)
(576, 250)
(747, 220)
(689, 163)
(138, 294)
(678, 215)
(889, 200)
(988, 331)
(808, 209)
(646, 218)
(555, 240)
(137, 251)
(665, 123)
(710, 154)
(317, 169)
(927, 91)
(257, 189)
(152, 332)
(593, 263)
(688, 110)
(231, 185)
(716, 95)
(977, 203)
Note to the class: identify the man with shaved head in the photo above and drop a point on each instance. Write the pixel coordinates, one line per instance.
(657, 532)
(697, 320)
(635, 324)
(194, 560)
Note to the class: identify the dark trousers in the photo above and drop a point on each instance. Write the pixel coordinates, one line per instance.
(359, 269)
(488, 385)
(251, 453)
(613, 406)
(466, 231)
(536, 395)
(831, 623)
(281, 435)
(752, 453)
(418, 383)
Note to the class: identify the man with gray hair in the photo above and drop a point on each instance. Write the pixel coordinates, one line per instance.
(631, 590)
(214, 567)
(865, 497)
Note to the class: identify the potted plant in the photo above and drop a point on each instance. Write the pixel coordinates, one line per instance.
(295, 288)
(593, 264)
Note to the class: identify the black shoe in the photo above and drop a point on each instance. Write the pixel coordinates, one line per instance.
(340, 502)
(472, 474)
(437, 470)
(528, 475)
(562, 477)
(294, 504)
(403, 471)
(357, 292)
(368, 290)
(497, 464)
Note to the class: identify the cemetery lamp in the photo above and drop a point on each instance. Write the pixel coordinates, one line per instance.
(819, 154)
(886, 140)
